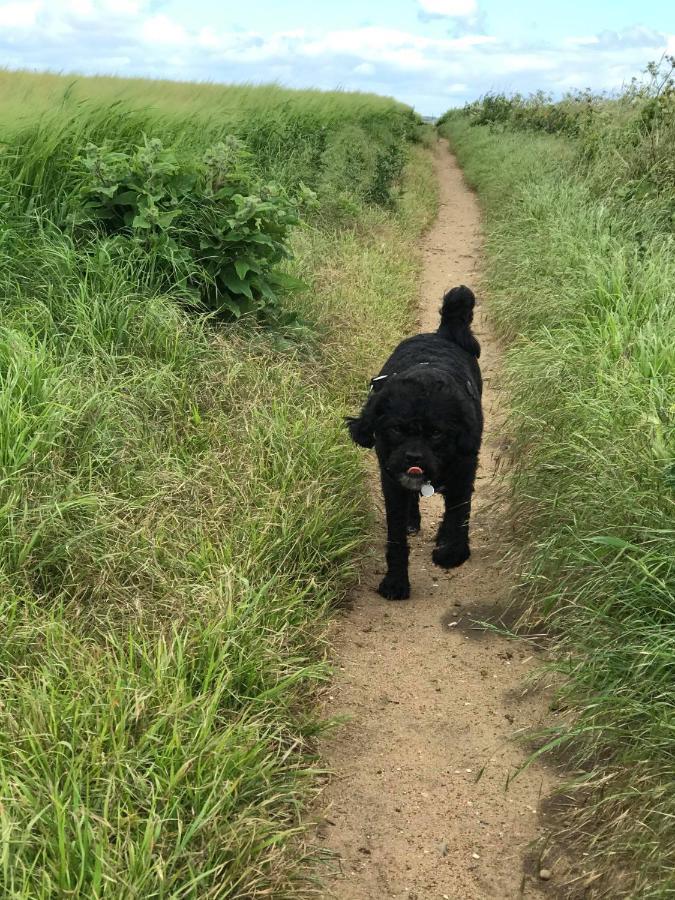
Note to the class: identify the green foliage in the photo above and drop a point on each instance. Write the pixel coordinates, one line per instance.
(580, 275)
(192, 224)
(537, 112)
(358, 168)
(179, 504)
(286, 132)
(202, 190)
(625, 142)
(388, 168)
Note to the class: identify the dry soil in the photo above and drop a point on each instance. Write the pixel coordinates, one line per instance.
(421, 804)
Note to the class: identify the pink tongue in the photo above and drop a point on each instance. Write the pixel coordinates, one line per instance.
(414, 470)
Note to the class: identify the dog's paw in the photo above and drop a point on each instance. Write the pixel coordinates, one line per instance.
(393, 587)
(449, 556)
(413, 528)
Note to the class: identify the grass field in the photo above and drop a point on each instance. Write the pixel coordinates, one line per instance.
(179, 505)
(579, 201)
(333, 141)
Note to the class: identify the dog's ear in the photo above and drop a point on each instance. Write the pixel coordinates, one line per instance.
(362, 428)
(361, 431)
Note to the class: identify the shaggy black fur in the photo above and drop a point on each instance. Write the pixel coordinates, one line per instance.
(427, 413)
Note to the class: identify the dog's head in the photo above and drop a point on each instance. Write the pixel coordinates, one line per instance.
(418, 423)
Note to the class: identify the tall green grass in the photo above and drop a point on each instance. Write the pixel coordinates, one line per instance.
(336, 142)
(179, 511)
(580, 281)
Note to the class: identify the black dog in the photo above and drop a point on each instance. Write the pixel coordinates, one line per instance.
(423, 416)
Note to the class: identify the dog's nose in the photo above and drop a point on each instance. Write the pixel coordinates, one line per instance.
(411, 457)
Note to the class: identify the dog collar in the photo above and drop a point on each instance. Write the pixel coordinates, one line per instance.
(427, 489)
(375, 383)
(378, 381)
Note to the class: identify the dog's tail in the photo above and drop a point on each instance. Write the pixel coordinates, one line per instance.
(456, 318)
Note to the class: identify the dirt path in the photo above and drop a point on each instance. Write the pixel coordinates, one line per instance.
(419, 805)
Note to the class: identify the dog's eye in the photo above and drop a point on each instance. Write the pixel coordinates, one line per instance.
(436, 435)
(395, 431)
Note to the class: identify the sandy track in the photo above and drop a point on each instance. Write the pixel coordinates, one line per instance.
(419, 806)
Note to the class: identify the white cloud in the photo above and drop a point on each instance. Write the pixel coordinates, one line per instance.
(451, 8)
(161, 29)
(581, 41)
(82, 7)
(364, 69)
(525, 62)
(19, 15)
(398, 49)
(88, 9)
(636, 36)
(207, 37)
(473, 40)
(140, 37)
(115, 63)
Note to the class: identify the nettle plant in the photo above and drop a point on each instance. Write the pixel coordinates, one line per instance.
(200, 225)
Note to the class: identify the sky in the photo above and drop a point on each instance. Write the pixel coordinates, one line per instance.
(431, 54)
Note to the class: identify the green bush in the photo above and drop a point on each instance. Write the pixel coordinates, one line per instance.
(195, 225)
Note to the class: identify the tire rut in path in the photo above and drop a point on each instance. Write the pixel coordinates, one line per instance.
(418, 806)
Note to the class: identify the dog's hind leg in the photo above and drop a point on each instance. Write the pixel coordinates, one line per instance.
(414, 520)
(395, 584)
(452, 540)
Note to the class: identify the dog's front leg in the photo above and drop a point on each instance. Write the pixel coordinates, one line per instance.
(395, 584)
(414, 518)
(452, 540)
